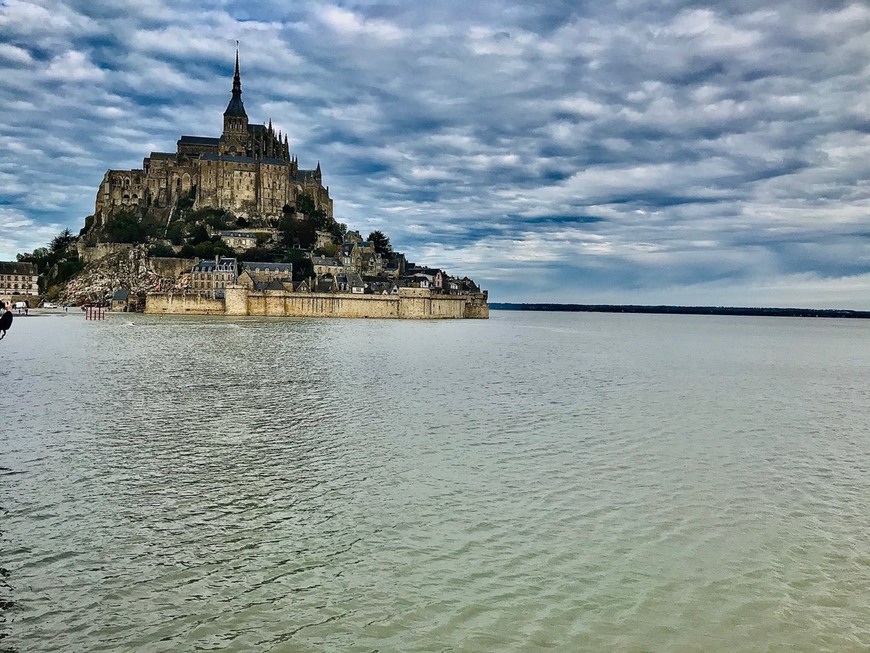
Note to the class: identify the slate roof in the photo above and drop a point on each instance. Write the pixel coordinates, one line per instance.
(120, 295)
(18, 267)
(204, 265)
(238, 234)
(355, 280)
(199, 140)
(268, 266)
(306, 175)
(208, 265)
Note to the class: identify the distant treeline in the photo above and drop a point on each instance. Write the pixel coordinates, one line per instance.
(682, 310)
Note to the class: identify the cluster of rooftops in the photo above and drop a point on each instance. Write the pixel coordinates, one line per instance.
(358, 269)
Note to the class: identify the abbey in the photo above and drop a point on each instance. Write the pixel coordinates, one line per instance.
(248, 171)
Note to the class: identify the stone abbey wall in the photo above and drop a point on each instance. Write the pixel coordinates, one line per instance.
(410, 304)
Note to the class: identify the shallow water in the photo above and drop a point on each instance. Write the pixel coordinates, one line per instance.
(534, 482)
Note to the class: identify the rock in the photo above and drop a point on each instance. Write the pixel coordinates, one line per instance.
(127, 268)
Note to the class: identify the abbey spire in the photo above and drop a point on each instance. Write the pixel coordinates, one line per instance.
(234, 139)
(235, 107)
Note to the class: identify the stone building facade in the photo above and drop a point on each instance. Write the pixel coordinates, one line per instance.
(211, 277)
(239, 239)
(249, 171)
(18, 279)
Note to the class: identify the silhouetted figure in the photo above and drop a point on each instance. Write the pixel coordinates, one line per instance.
(5, 319)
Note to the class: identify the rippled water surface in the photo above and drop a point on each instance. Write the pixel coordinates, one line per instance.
(535, 482)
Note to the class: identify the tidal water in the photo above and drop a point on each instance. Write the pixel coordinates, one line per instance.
(535, 482)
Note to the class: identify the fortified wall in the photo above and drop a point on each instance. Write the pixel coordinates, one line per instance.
(409, 304)
(101, 250)
(171, 267)
(181, 304)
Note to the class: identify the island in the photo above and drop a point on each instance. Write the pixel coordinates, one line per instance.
(232, 225)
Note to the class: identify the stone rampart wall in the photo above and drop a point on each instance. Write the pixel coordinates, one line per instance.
(477, 307)
(169, 267)
(180, 304)
(100, 250)
(415, 305)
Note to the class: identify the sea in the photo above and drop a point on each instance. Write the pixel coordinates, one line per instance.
(531, 482)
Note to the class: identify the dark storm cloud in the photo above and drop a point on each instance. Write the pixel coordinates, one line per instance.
(673, 151)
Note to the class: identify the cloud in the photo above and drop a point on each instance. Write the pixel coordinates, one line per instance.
(669, 151)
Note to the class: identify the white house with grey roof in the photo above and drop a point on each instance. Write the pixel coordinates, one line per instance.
(239, 239)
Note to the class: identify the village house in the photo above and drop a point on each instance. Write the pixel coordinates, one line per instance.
(433, 276)
(239, 239)
(349, 255)
(211, 277)
(260, 275)
(120, 300)
(18, 279)
(361, 257)
(395, 266)
(323, 265)
(325, 284)
(351, 282)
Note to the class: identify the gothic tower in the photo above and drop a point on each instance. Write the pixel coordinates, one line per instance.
(234, 140)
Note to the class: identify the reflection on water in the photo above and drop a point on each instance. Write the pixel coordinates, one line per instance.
(534, 482)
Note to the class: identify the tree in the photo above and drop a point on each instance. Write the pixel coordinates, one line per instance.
(302, 268)
(260, 254)
(60, 242)
(287, 228)
(305, 205)
(199, 235)
(338, 230)
(175, 233)
(329, 249)
(301, 233)
(161, 249)
(217, 221)
(187, 251)
(381, 243)
(125, 228)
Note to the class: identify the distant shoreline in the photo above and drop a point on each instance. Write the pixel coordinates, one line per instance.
(682, 310)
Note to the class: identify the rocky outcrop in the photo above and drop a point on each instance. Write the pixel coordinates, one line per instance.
(129, 269)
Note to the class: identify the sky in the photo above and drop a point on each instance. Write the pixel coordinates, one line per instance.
(632, 151)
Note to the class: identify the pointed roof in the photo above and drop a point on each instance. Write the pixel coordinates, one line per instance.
(235, 107)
